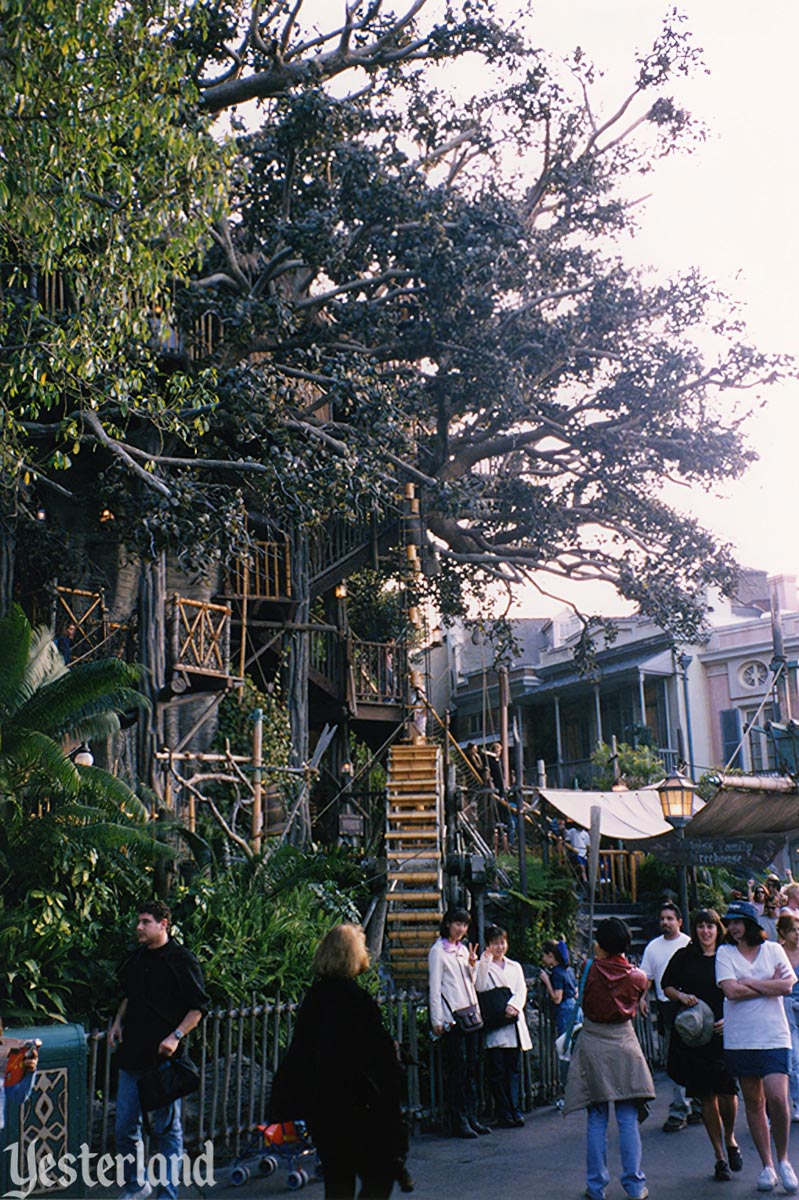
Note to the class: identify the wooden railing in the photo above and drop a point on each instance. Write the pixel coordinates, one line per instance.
(379, 670)
(265, 573)
(617, 877)
(200, 636)
(95, 635)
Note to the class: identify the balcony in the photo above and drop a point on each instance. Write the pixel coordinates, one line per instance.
(199, 643)
(379, 673)
(264, 574)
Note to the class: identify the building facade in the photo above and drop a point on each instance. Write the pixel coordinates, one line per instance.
(701, 707)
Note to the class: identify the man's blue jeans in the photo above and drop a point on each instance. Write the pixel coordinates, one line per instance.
(597, 1178)
(167, 1134)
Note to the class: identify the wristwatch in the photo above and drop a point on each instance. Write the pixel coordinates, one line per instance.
(178, 1033)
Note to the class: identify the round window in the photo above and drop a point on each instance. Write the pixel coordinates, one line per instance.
(753, 674)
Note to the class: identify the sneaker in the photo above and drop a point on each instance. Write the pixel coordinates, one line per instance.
(674, 1124)
(735, 1158)
(135, 1191)
(591, 1195)
(767, 1180)
(795, 1115)
(722, 1171)
(788, 1176)
(641, 1195)
(694, 1118)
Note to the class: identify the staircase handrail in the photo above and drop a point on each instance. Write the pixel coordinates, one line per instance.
(452, 739)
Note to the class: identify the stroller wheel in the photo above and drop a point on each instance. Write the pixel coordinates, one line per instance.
(239, 1175)
(297, 1180)
(268, 1165)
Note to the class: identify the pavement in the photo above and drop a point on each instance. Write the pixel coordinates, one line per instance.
(544, 1159)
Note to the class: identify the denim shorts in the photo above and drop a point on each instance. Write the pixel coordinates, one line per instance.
(758, 1063)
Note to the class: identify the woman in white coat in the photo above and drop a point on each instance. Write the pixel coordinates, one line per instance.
(503, 1045)
(451, 968)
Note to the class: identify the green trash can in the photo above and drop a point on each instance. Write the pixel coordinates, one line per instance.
(54, 1116)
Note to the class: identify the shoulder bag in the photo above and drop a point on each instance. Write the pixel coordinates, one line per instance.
(493, 1003)
(469, 1019)
(170, 1081)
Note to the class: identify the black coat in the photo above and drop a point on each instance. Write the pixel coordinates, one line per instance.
(341, 1073)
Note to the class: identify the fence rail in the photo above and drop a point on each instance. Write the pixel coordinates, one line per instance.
(239, 1049)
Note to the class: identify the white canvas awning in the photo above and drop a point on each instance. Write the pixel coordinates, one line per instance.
(628, 815)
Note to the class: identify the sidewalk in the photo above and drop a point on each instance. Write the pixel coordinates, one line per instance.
(542, 1161)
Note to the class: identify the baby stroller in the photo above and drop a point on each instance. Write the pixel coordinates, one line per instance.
(282, 1141)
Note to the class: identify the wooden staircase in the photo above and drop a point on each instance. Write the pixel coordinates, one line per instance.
(414, 848)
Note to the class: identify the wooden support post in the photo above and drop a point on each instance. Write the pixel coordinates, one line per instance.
(257, 763)
(504, 701)
(243, 644)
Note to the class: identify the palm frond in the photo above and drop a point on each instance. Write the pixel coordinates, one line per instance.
(28, 755)
(15, 633)
(94, 781)
(85, 692)
(45, 662)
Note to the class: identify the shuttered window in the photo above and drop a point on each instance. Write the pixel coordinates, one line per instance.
(730, 737)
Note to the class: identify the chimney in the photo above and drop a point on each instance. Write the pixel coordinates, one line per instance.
(782, 589)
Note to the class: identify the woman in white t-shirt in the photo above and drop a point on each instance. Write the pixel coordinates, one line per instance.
(754, 976)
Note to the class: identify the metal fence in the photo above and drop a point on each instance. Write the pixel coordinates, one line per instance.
(239, 1049)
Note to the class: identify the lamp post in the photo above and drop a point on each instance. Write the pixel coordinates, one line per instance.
(82, 756)
(683, 662)
(677, 802)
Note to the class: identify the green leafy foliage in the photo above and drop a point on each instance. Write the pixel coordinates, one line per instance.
(391, 299)
(256, 930)
(236, 721)
(75, 847)
(548, 910)
(638, 765)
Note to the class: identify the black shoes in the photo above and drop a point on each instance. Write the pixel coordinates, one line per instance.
(477, 1127)
(463, 1129)
(674, 1124)
(735, 1158)
(722, 1172)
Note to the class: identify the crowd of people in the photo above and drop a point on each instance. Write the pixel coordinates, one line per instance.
(726, 998)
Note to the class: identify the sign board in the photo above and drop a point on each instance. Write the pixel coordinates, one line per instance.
(350, 825)
(743, 854)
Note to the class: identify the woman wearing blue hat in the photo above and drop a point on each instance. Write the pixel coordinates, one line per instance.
(754, 976)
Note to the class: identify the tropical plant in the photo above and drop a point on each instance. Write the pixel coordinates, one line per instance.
(75, 844)
(255, 929)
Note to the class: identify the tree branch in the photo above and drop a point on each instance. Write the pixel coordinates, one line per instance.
(91, 419)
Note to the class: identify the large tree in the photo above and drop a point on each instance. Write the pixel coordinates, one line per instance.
(402, 287)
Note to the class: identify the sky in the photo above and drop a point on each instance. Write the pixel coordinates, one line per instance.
(730, 209)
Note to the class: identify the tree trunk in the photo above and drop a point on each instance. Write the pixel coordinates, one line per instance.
(8, 543)
(298, 663)
(152, 651)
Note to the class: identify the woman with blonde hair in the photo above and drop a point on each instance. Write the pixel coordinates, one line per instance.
(342, 1074)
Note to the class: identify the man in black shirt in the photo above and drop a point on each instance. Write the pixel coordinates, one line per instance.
(164, 999)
